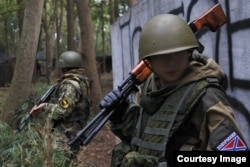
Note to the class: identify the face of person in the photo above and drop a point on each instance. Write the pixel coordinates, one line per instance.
(169, 67)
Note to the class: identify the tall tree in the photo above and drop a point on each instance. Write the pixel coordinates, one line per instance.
(48, 47)
(21, 82)
(87, 49)
(103, 37)
(113, 10)
(70, 25)
(58, 18)
(20, 15)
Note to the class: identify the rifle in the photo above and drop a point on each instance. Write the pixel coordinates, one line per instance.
(137, 76)
(43, 99)
(214, 18)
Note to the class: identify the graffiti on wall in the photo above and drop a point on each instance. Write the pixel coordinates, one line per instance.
(228, 46)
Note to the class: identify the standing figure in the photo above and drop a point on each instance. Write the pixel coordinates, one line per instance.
(69, 107)
(182, 106)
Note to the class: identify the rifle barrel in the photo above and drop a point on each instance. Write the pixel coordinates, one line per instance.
(44, 98)
(91, 125)
(97, 128)
(24, 123)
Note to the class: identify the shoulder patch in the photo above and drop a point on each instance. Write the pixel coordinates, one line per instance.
(232, 142)
(64, 103)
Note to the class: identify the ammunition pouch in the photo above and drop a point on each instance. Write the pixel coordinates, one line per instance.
(118, 153)
(134, 159)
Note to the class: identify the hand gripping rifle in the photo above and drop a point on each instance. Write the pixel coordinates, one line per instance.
(43, 99)
(213, 19)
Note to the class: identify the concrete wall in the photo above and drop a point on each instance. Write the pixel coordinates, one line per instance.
(229, 47)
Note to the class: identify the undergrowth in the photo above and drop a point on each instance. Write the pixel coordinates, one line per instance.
(32, 146)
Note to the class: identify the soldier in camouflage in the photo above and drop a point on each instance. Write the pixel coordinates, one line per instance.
(69, 107)
(182, 105)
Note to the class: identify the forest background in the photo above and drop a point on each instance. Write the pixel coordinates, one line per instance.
(33, 34)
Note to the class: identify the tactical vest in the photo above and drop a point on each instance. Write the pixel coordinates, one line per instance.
(151, 136)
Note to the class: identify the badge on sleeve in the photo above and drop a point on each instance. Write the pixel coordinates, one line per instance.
(64, 103)
(232, 142)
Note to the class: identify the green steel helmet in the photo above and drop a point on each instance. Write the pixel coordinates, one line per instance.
(70, 59)
(165, 34)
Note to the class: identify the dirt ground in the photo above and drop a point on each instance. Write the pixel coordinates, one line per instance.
(98, 152)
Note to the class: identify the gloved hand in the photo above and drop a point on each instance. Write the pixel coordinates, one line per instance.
(117, 116)
(111, 100)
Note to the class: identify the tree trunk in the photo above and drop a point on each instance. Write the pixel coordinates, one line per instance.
(47, 45)
(113, 10)
(103, 39)
(20, 16)
(87, 50)
(70, 25)
(21, 82)
(6, 38)
(59, 20)
(116, 9)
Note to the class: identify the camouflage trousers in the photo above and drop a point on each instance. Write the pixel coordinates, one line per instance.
(67, 155)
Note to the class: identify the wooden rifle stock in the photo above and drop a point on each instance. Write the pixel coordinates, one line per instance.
(213, 19)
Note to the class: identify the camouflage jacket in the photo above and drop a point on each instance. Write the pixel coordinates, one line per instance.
(69, 107)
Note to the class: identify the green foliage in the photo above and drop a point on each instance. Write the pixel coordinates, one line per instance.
(23, 149)
(31, 146)
(9, 28)
(37, 92)
(9, 31)
(28, 148)
(39, 89)
(7, 6)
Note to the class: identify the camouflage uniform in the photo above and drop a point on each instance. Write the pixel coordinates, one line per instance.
(69, 110)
